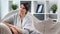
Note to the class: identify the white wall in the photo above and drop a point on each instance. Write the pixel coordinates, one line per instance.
(58, 10)
(4, 8)
(16, 2)
(0, 9)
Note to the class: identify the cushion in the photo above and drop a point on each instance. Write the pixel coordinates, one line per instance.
(39, 26)
(4, 29)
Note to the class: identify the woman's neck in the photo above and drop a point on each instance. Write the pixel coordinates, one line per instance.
(22, 17)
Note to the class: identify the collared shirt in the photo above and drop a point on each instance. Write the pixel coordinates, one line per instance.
(26, 26)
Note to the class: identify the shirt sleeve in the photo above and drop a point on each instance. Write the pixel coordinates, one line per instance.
(9, 19)
(25, 31)
(28, 27)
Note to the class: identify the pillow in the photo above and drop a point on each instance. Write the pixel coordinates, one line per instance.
(48, 23)
(39, 26)
(4, 29)
(56, 28)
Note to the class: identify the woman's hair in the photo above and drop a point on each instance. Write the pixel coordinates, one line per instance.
(26, 5)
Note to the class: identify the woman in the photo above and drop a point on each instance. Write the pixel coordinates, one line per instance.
(22, 21)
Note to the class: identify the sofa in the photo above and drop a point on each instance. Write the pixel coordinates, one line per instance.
(4, 29)
(46, 26)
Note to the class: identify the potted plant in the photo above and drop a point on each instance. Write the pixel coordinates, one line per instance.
(14, 6)
(54, 8)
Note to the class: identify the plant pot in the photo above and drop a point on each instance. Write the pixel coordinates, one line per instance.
(14, 6)
(54, 11)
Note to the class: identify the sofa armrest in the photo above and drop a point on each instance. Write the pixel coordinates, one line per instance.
(4, 29)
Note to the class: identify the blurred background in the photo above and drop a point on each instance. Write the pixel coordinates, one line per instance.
(41, 9)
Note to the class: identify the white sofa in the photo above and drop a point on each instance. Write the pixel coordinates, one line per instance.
(4, 29)
(46, 26)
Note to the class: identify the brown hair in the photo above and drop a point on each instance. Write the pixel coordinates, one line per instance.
(26, 5)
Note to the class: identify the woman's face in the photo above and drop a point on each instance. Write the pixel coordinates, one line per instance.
(22, 9)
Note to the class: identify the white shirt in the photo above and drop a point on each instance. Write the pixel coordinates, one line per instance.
(26, 26)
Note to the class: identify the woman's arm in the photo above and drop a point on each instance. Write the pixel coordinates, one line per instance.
(14, 28)
(6, 23)
(18, 29)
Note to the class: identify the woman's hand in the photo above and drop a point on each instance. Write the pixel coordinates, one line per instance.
(14, 28)
(9, 25)
(11, 28)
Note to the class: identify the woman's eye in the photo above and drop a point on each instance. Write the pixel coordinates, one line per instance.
(23, 8)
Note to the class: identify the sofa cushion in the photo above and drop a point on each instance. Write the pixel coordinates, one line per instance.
(55, 29)
(48, 23)
(4, 29)
(44, 26)
(39, 26)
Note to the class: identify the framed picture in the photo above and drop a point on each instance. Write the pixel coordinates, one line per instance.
(39, 8)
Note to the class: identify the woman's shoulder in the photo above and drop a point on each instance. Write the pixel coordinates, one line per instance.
(13, 16)
(28, 16)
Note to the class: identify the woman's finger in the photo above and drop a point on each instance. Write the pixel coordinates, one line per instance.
(13, 30)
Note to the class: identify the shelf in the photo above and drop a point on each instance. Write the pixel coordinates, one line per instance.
(50, 13)
(54, 19)
(39, 13)
(52, 16)
(40, 16)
